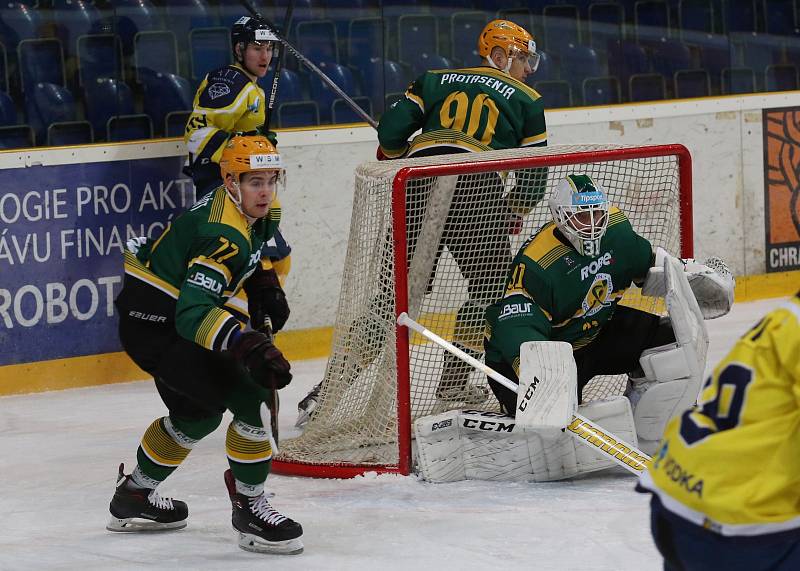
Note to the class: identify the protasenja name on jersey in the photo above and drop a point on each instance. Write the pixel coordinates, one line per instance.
(503, 88)
(757, 531)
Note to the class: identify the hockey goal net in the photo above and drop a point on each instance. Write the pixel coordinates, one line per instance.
(434, 237)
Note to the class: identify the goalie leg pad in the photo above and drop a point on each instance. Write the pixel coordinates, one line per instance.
(673, 373)
(475, 445)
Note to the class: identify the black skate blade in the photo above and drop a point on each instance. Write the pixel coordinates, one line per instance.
(137, 525)
(256, 544)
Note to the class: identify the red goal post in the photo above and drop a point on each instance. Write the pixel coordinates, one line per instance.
(375, 386)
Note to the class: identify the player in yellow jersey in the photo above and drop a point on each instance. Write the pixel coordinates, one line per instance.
(726, 477)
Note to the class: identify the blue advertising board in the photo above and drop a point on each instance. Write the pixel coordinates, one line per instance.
(62, 230)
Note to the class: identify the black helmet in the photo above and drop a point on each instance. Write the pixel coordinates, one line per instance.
(249, 30)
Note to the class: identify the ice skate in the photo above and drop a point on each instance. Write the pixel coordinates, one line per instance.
(261, 527)
(307, 406)
(143, 509)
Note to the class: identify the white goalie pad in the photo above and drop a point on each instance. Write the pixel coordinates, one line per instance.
(673, 373)
(710, 280)
(548, 385)
(476, 445)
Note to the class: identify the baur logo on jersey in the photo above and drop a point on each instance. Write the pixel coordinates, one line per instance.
(201, 280)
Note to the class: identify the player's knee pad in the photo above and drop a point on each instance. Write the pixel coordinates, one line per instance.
(196, 428)
(475, 445)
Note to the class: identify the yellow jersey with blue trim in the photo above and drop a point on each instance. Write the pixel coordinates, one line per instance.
(229, 100)
(731, 464)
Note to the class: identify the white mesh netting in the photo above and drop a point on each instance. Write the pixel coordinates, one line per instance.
(459, 250)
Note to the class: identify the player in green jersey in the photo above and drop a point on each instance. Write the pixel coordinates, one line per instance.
(565, 284)
(726, 478)
(481, 108)
(181, 311)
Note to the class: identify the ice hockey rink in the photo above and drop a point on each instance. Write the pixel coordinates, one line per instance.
(59, 453)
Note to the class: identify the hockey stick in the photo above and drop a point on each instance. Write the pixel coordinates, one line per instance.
(269, 416)
(580, 427)
(310, 65)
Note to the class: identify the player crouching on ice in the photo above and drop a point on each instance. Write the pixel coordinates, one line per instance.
(181, 319)
(564, 285)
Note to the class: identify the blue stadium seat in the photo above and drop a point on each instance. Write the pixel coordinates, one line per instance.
(626, 58)
(290, 87)
(165, 92)
(668, 56)
(647, 87)
(651, 18)
(561, 27)
(210, 49)
(40, 61)
(131, 17)
(298, 114)
(18, 22)
(72, 19)
(318, 40)
(579, 62)
(175, 123)
(364, 41)
(303, 11)
(48, 103)
(740, 15)
(3, 69)
(427, 62)
(546, 70)
(738, 80)
(8, 110)
(464, 30)
(605, 24)
(155, 52)
(417, 34)
(692, 83)
(756, 51)
(105, 98)
(382, 77)
(99, 55)
(716, 53)
(69, 133)
(601, 90)
(556, 94)
(129, 128)
(696, 15)
(781, 17)
(325, 96)
(781, 77)
(341, 112)
(16, 137)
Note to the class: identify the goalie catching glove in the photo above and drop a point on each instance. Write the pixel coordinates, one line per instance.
(263, 359)
(711, 281)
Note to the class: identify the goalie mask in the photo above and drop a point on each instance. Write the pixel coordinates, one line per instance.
(245, 154)
(514, 40)
(579, 207)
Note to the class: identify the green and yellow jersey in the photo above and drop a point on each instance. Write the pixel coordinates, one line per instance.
(193, 273)
(553, 293)
(473, 109)
(731, 463)
(228, 101)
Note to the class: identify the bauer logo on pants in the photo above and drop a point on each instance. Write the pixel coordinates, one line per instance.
(782, 188)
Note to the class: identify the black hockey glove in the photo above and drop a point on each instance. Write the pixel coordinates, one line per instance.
(265, 297)
(263, 359)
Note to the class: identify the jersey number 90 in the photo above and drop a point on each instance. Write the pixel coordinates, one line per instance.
(457, 109)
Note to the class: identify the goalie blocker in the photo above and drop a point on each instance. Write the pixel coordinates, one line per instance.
(471, 444)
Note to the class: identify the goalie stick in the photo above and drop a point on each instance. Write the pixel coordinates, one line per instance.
(580, 427)
(310, 65)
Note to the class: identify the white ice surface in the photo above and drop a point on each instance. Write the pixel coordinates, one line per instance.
(59, 453)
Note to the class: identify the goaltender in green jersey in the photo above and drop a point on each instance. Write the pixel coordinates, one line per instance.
(565, 284)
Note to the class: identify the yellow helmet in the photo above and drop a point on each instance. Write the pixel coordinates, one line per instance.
(512, 38)
(245, 153)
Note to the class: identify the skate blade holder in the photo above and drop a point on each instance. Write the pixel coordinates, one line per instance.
(130, 525)
(253, 543)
